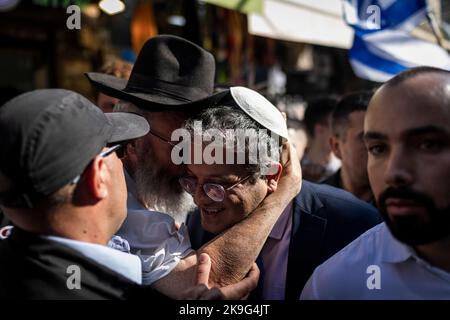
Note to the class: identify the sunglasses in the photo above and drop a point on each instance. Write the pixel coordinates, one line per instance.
(114, 148)
(104, 154)
(216, 192)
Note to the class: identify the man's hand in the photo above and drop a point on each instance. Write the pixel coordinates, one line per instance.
(291, 176)
(201, 291)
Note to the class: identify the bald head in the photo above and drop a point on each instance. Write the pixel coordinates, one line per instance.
(413, 73)
(427, 83)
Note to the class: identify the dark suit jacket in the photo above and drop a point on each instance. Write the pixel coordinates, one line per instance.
(32, 267)
(335, 181)
(3, 220)
(325, 220)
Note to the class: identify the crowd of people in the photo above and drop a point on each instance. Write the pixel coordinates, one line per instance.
(94, 205)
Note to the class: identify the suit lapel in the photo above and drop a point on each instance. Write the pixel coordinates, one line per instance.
(308, 227)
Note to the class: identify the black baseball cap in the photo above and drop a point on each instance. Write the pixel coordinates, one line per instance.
(48, 137)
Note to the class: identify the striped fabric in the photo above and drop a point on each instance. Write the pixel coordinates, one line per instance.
(382, 45)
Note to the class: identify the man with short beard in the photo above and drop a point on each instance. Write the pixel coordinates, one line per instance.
(172, 79)
(407, 134)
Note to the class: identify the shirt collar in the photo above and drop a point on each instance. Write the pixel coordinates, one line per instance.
(392, 250)
(127, 265)
(280, 226)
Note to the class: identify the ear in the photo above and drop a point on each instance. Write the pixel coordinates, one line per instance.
(272, 179)
(317, 129)
(130, 157)
(95, 178)
(335, 146)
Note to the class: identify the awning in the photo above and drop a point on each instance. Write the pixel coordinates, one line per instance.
(308, 21)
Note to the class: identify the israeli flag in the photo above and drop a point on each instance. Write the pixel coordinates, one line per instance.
(382, 45)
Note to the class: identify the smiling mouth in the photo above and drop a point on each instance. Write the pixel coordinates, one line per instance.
(210, 212)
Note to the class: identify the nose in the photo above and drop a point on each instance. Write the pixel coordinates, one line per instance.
(399, 170)
(200, 197)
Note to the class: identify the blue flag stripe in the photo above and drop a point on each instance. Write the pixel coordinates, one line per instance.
(361, 53)
(400, 11)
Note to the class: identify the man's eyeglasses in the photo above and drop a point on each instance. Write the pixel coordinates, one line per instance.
(214, 191)
(163, 139)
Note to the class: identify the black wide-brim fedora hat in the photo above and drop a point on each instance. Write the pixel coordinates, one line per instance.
(169, 73)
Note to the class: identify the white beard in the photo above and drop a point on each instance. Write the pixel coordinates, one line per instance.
(159, 191)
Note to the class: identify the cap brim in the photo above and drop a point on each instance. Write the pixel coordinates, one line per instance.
(116, 87)
(127, 126)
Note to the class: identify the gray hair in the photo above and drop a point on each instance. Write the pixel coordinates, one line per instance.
(225, 119)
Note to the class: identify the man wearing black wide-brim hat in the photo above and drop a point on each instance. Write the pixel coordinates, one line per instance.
(173, 79)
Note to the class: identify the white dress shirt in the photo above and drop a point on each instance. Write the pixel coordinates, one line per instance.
(377, 266)
(153, 237)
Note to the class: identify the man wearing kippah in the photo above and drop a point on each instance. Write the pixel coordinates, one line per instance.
(63, 187)
(316, 223)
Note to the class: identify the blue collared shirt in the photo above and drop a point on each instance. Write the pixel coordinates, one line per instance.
(125, 264)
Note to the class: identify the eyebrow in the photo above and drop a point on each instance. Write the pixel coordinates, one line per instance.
(374, 135)
(426, 130)
(410, 132)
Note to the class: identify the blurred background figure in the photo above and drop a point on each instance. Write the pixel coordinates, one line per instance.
(346, 142)
(319, 162)
(114, 67)
(297, 135)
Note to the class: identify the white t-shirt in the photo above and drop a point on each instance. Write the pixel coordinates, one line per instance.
(377, 266)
